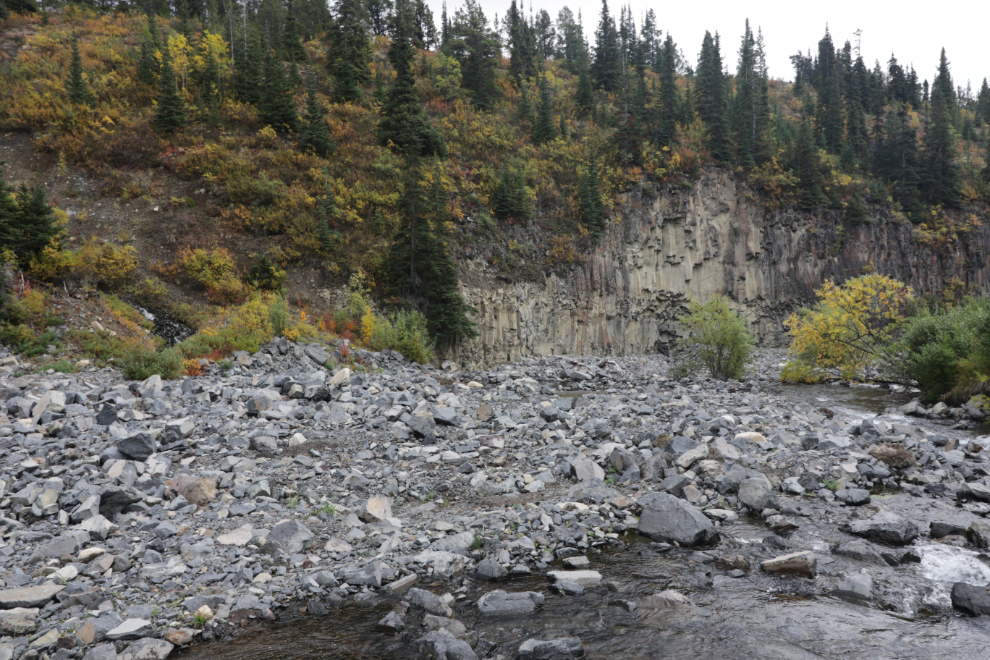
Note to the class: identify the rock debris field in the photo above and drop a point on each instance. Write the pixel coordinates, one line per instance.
(142, 517)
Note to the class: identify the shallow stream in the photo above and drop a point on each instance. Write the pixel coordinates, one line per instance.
(755, 616)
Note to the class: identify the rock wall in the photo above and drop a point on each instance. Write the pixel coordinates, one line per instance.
(676, 243)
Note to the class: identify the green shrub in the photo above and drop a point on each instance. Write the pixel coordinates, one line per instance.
(720, 341)
(266, 274)
(947, 354)
(405, 332)
(140, 363)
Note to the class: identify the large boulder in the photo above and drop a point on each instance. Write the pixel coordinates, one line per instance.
(884, 527)
(667, 518)
(138, 447)
(970, 599)
(755, 493)
(292, 535)
(562, 648)
(439, 645)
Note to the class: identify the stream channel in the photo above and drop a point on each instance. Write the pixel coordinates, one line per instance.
(756, 616)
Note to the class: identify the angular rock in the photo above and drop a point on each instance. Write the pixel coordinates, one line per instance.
(28, 596)
(884, 527)
(667, 518)
(803, 564)
(147, 649)
(131, 629)
(489, 569)
(853, 496)
(583, 578)
(138, 447)
(18, 621)
(429, 601)
(503, 604)
(292, 535)
(970, 599)
(439, 645)
(857, 587)
(562, 648)
(755, 493)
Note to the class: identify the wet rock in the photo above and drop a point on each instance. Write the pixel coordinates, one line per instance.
(978, 533)
(970, 599)
(393, 622)
(667, 518)
(857, 588)
(439, 645)
(429, 601)
(853, 496)
(495, 604)
(884, 527)
(974, 491)
(860, 550)
(938, 530)
(490, 569)
(583, 578)
(802, 564)
(562, 648)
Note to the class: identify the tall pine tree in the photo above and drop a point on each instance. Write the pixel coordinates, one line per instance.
(170, 111)
(314, 136)
(606, 70)
(278, 105)
(669, 96)
(750, 111)
(349, 56)
(590, 201)
(942, 178)
(543, 128)
(35, 220)
(710, 97)
(403, 122)
(478, 49)
(75, 85)
(291, 42)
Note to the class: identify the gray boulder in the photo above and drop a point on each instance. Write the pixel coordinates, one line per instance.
(884, 527)
(292, 535)
(666, 518)
(502, 604)
(755, 493)
(138, 447)
(439, 645)
(562, 648)
(970, 599)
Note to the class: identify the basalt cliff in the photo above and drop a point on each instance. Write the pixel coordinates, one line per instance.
(670, 244)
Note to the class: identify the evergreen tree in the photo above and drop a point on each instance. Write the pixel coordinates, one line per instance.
(942, 178)
(314, 135)
(525, 111)
(942, 85)
(584, 95)
(250, 74)
(543, 129)
(478, 49)
(649, 36)
(291, 42)
(278, 105)
(76, 85)
(564, 132)
(829, 122)
(349, 56)
(750, 110)
(590, 201)
(710, 97)
(295, 79)
(669, 96)
(170, 112)
(420, 268)
(570, 40)
(148, 66)
(424, 32)
(509, 201)
(444, 30)
(403, 122)
(807, 166)
(210, 84)
(9, 228)
(606, 70)
(983, 104)
(522, 60)
(546, 36)
(379, 15)
(897, 157)
(35, 220)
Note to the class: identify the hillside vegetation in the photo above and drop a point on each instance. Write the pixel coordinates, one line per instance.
(366, 139)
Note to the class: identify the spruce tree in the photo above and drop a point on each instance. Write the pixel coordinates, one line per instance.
(710, 98)
(250, 74)
(590, 201)
(170, 113)
(478, 49)
(669, 97)
(750, 111)
(9, 229)
(563, 127)
(983, 104)
(807, 166)
(295, 79)
(291, 42)
(314, 136)
(403, 122)
(897, 158)
(606, 70)
(522, 60)
(942, 85)
(543, 128)
(326, 215)
(35, 220)
(349, 57)
(75, 85)
(278, 105)
(210, 84)
(584, 95)
(524, 113)
(420, 268)
(509, 201)
(942, 178)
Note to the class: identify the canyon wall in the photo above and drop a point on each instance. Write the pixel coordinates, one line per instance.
(669, 244)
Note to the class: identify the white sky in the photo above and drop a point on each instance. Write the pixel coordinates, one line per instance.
(915, 33)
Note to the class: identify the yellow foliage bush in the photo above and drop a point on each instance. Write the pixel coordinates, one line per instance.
(215, 271)
(108, 263)
(847, 328)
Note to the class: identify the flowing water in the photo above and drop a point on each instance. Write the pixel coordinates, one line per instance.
(756, 616)
(166, 326)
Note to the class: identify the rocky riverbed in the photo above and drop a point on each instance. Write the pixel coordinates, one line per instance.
(551, 508)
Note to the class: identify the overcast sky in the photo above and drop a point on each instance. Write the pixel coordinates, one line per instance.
(915, 34)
